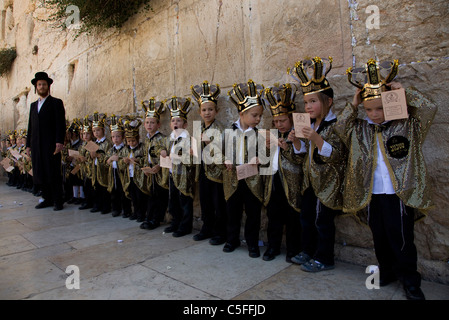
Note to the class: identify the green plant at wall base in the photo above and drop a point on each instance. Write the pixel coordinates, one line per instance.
(94, 15)
(7, 57)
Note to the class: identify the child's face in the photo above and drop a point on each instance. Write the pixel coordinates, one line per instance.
(283, 123)
(151, 125)
(374, 110)
(87, 136)
(313, 106)
(98, 132)
(208, 111)
(24, 140)
(132, 142)
(177, 123)
(18, 141)
(75, 136)
(117, 137)
(8, 143)
(251, 117)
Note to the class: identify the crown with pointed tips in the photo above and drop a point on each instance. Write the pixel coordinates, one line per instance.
(246, 95)
(86, 126)
(374, 82)
(311, 74)
(132, 127)
(12, 134)
(74, 126)
(280, 99)
(98, 121)
(22, 133)
(205, 92)
(179, 107)
(116, 124)
(153, 108)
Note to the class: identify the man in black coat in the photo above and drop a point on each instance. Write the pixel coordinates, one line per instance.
(46, 132)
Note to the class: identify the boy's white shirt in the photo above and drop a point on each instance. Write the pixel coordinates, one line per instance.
(239, 155)
(382, 182)
(117, 147)
(326, 149)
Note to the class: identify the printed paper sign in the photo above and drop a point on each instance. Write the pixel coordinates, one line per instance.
(246, 170)
(165, 162)
(394, 104)
(74, 153)
(300, 120)
(91, 146)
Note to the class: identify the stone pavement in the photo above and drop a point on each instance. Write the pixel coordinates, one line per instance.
(119, 261)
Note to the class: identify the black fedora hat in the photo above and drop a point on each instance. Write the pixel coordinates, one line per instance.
(41, 76)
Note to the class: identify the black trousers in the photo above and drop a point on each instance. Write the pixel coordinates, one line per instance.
(157, 203)
(213, 206)
(89, 193)
(281, 214)
(102, 198)
(180, 208)
(119, 201)
(243, 198)
(138, 199)
(318, 228)
(392, 224)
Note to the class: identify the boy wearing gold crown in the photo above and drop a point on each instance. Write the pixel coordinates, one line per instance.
(157, 178)
(132, 175)
(13, 180)
(387, 173)
(100, 177)
(182, 172)
(210, 173)
(26, 162)
(248, 192)
(119, 201)
(323, 167)
(85, 162)
(74, 179)
(282, 186)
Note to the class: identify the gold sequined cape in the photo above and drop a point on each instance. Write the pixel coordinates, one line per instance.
(290, 173)
(120, 153)
(326, 174)
(138, 178)
(230, 181)
(214, 170)
(100, 171)
(401, 146)
(85, 166)
(152, 147)
(183, 174)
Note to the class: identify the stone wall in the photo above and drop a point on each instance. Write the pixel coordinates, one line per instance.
(178, 43)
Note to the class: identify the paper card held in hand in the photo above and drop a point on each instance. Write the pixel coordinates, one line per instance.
(300, 120)
(246, 170)
(146, 169)
(91, 146)
(76, 169)
(15, 154)
(5, 163)
(165, 162)
(74, 153)
(394, 104)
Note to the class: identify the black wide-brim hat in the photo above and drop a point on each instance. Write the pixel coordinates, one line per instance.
(41, 76)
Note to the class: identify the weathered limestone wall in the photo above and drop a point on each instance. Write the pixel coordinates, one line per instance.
(183, 42)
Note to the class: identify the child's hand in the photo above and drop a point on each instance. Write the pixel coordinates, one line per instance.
(309, 133)
(94, 155)
(155, 169)
(163, 153)
(394, 85)
(282, 143)
(127, 160)
(357, 99)
(228, 165)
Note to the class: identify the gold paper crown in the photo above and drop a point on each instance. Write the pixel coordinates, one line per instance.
(153, 109)
(98, 122)
(179, 108)
(116, 124)
(311, 74)
(280, 99)
(374, 82)
(246, 96)
(12, 134)
(203, 93)
(132, 128)
(22, 133)
(86, 125)
(74, 126)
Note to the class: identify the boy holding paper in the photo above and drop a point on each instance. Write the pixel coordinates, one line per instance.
(182, 172)
(74, 175)
(246, 191)
(282, 186)
(119, 201)
(386, 169)
(157, 177)
(323, 167)
(85, 162)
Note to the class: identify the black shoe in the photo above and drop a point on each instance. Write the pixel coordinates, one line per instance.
(94, 209)
(144, 225)
(73, 200)
(170, 229)
(126, 215)
(217, 241)
(386, 280)
(178, 234)
(153, 225)
(140, 219)
(201, 236)
(414, 293)
(79, 201)
(270, 254)
(115, 213)
(229, 247)
(106, 211)
(44, 204)
(289, 256)
(254, 252)
(132, 217)
(58, 207)
(85, 206)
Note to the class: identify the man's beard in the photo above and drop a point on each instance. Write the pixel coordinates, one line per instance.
(43, 93)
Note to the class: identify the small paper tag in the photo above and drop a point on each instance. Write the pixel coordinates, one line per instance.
(246, 170)
(165, 162)
(394, 104)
